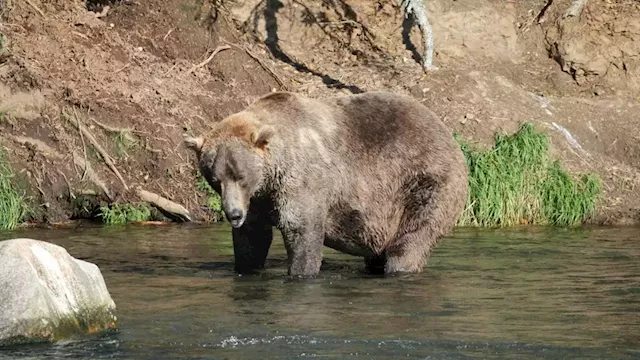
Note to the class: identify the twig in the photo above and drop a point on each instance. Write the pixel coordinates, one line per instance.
(84, 146)
(168, 33)
(122, 68)
(205, 62)
(169, 207)
(103, 153)
(36, 8)
(80, 34)
(168, 71)
(262, 64)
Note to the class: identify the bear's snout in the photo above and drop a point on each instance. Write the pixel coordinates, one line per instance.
(235, 217)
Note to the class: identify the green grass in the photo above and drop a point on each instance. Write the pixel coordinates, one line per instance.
(214, 202)
(516, 181)
(13, 206)
(118, 214)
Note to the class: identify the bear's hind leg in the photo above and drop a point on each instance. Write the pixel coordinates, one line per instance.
(431, 210)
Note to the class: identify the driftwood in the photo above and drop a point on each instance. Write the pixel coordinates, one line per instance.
(168, 207)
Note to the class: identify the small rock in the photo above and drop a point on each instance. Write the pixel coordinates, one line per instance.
(599, 92)
(48, 295)
(469, 116)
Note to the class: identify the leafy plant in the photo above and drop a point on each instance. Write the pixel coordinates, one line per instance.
(13, 206)
(214, 202)
(517, 182)
(118, 214)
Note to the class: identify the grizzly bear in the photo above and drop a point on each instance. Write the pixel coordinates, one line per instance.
(375, 175)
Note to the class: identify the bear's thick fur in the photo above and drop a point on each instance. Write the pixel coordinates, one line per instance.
(376, 175)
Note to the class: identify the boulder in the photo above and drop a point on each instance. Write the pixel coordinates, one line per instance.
(47, 295)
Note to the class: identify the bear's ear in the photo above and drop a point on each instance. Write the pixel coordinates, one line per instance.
(261, 137)
(193, 143)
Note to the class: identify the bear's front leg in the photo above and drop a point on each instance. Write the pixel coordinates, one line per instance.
(304, 248)
(251, 243)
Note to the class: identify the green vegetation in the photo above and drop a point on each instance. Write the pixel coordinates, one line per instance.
(124, 142)
(118, 214)
(517, 182)
(214, 203)
(13, 206)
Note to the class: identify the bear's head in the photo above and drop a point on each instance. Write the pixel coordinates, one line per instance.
(232, 158)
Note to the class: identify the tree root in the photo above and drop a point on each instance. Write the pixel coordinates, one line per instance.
(205, 62)
(103, 153)
(168, 207)
(51, 153)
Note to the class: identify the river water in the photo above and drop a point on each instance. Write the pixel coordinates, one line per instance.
(486, 294)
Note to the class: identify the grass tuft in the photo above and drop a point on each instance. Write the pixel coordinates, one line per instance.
(118, 214)
(516, 182)
(13, 206)
(124, 142)
(214, 202)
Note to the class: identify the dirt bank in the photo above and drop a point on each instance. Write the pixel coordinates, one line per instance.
(127, 73)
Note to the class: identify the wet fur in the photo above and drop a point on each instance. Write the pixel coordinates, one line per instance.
(376, 175)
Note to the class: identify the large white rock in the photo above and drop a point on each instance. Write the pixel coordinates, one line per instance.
(47, 295)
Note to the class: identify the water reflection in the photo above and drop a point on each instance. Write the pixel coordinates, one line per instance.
(525, 293)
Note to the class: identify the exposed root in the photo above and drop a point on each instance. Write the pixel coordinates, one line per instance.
(51, 153)
(126, 132)
(78, 160)
(205, 62)
(168, 207)
(38, 145)
(103, 153)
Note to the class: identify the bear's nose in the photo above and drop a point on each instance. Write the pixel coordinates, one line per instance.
(235, 214)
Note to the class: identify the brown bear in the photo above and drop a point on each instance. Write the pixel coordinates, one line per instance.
(376, 175)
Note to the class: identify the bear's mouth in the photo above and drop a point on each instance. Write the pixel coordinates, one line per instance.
(237, 223)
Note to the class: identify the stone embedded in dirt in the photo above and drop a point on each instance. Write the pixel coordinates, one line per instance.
(47, 295)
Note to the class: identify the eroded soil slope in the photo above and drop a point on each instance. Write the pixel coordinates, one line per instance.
(125, 75)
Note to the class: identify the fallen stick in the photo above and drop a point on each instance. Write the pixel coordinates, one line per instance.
(103, 153)
(205, 62)
(170, 208)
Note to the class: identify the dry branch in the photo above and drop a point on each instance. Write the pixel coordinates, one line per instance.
(205, 62)
(169, 207)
